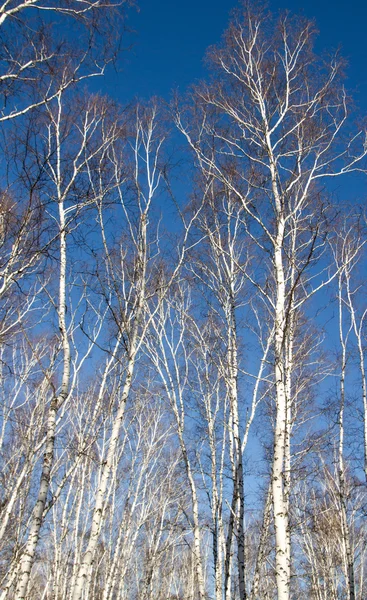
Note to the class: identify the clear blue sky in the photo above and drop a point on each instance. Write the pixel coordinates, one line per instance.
(171, 38)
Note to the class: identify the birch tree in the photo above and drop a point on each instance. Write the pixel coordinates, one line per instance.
(127, 278)
(66, 200)
(274, 115)
(39, 60)
(221, 267)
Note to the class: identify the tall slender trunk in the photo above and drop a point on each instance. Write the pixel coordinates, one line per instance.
(288, 363)
(238, 483)
(236, 518)
(281, 518)
(260, 557)
(358, 334)
(83, 578)
(217, 521)
(171, 379)
(28, 555)
(199, 570)
(279, 482)
(228, 553)
(348, 555)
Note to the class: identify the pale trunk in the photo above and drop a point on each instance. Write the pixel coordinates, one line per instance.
(236, 523)
(348, 555)
(77, 537)
(358, 334)
(260, 557)
(281, 524)
(13, 498)
(228, 552)
(288, 385)
(83, 579)
(28, 555)
(238, 491)
(112, 575)
(195, 514)
(216, 512)
(364, 398)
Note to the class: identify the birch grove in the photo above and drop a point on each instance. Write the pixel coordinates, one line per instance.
(183, 407)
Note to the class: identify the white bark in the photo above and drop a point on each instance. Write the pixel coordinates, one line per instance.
(28, 555)
(261, 551)
(281, 518)
(146, 150)
(346, 544)
(84, 572)
(358, 329)
(165, 356)
(238, 484)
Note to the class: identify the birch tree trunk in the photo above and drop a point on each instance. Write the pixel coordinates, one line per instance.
(281, 518)
(358, 324)
(348, 555)
(28, 555)
(264, 534)
(83, 579)
(238, 485)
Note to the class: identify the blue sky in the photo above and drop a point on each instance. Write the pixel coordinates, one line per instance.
(171, 38)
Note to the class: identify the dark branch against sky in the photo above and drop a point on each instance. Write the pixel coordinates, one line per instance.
(171, 39)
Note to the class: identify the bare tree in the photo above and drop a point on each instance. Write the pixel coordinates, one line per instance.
(220, 267)
(274, 116)
(127, 278)
(64, 191)
(39, 60)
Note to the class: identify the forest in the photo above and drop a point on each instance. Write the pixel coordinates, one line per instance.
(183, 317)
